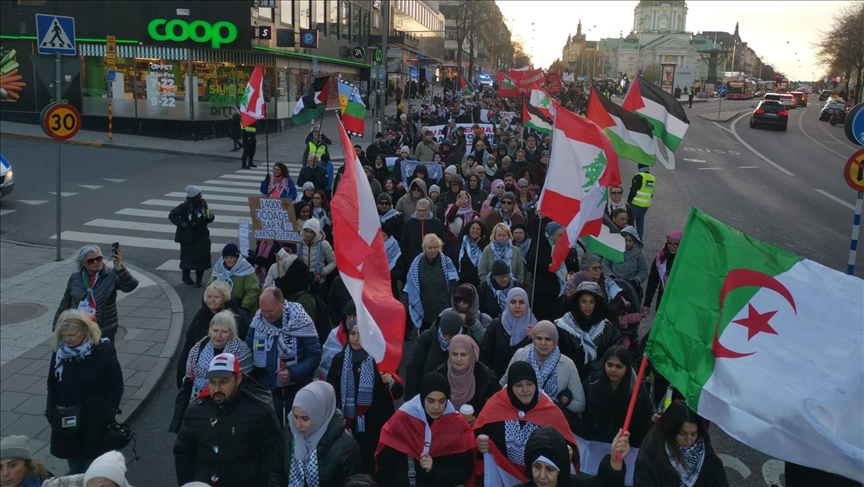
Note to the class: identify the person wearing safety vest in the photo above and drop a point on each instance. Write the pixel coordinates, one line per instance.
(641, 194)
(249, 145)
(315, 145)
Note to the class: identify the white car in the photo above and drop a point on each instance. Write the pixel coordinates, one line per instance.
(786, 99)
(6, 182)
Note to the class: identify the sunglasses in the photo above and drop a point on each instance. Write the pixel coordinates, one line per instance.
(461, 300)
(616, 192)
(506, 202)
(94, 260)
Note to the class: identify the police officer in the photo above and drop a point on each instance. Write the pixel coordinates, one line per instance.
(641, 194)
(249, 145)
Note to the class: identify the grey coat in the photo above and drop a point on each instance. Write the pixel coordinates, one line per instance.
(104, 292)
(634, 266)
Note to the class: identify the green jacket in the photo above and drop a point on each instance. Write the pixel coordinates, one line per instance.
(246, 290)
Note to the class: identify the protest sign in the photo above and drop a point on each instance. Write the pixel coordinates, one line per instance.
(273, 219)
(438, 131)
(243, 237)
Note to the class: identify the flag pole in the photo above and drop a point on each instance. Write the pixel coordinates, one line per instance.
(536, 258)
(633, 397)
(266, 139)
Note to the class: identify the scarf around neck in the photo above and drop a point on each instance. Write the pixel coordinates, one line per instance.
(201, 355)
(503, 251)
(524, 247)
(547, 373)
(501, 294)
(356, 400)
(66, 353)
(241, 268)
(586, 338)
(391, 213)
(473, 251)
(391, 246)
(693, 459)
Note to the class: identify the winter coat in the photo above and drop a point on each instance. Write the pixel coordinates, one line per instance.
(239, 442)
(447, 470)
(317, 175)
(338, 453)
(425, 357)
(381, 409)
(309, 254)
(572, 346)
(426, 151)
(650, 471)
(603, 425)
(467, 271)
(568, 378)
(489, 301)
(406, 203)
(337, 298)
(493, 218)
(485, 384)
(245, 291)
(495, 351)
(193, 237)
(478, 328)
(308, 359)
(199, 327)
(108, 282)
(412, 236)
(289, 191)
(634, 266)
(517, 264)
(96, 385)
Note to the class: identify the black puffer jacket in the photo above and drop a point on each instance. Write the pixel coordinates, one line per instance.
(104, 292)
(199, 327)
(338, 453)
(653, 471)
(495, 351)
(239, 441)
(94, 383)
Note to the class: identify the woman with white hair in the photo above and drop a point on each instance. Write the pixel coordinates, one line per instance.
(93, 288)
(85, 385)
(222, 338)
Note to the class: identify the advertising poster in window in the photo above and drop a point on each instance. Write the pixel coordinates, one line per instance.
(12, 82)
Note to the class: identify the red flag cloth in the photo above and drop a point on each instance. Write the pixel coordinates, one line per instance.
(524, 79)
(252, 103)
(363, 265)
(406, 432)
(506, 86)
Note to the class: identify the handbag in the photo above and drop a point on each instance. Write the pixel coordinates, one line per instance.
(117, 436)
(66, 420)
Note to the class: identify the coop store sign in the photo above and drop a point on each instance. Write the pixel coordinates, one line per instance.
(179, 30)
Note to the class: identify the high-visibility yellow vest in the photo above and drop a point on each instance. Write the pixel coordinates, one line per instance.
(250, 128)
(644, 194)
(317, 150)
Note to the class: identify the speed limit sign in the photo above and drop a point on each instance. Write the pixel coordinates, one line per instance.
(61, 121)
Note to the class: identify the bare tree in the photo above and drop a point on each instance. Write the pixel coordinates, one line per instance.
(843, 45)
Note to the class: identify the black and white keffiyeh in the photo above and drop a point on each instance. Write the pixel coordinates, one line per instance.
(394, 252)
(66, 353)
(693, 459)
(241, 268)
(203, 352)
(547, 374)
(501, 294)
(503, 251)
(295, 324)
(586, 338)
(355, 402)
(304, 474)
(516, 437)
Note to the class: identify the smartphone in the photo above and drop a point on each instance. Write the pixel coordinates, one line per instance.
(114, 247)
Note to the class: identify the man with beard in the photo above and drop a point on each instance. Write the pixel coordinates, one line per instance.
(230, 433)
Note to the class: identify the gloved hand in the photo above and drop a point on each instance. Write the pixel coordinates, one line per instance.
(565, 396)
(634, 283)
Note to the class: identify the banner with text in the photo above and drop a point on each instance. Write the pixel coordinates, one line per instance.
(438, 131)
(273, 219)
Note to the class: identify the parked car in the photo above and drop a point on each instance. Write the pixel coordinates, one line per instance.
(769, 113)
(825, 95)
(834, 106)
(6, 182)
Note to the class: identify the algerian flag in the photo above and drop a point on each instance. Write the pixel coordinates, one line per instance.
(661, 109)
(767, 345)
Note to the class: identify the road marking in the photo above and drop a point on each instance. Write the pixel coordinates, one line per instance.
(170, 265)
(163, 215)
(33, 202)
(801, 128)
(235, 183)
(63, 194)
(771, 471)
(6, 212)
(722, 127)
(694, 160)
(212, 206)
(262, 172)
(220, 189)
(748, 167)
(152, 227)
(759, 154)
(709, 168)
(128, 241)
(212, 197)
(90, 186)
(240, 176)
(113, 180)
(836, 140)
(733, 463)
(831, 196)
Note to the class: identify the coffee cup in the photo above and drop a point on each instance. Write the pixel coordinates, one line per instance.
(467, 410)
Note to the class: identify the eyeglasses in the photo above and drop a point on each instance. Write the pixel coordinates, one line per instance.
(506, 202)
(460, 301)
(94, 260)
(415, 190)
(616, 192)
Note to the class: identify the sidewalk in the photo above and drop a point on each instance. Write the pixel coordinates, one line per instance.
(151, 321)
(287, 146)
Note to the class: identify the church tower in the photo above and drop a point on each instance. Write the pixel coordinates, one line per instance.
(663, 16)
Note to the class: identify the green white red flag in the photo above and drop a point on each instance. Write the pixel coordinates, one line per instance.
(767, 345)
(582, 165)
(252, 103)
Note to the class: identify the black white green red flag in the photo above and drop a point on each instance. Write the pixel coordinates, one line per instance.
(534, 118)
(765, 344)
(661, 109)
(312, 104)
(465, 86)
(631, 134)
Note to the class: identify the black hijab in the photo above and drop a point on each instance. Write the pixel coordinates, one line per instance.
(297, 279)
(520, 371)
(547, 442)
(433, 382)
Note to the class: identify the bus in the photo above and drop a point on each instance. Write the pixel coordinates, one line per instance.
(749, 89)
(783, 86)
(760, 88)
(736, 90)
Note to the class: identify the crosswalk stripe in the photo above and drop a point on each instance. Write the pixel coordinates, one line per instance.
(212, 206)
(33, 202)
(163, 215)
(220, 189)
(242, 177)
(62, 193)
(153, 227)
(244, 184)
(211, 197)
(127, 241)
(6, 212)
(262, 172)
(170, 265)
(90, 186)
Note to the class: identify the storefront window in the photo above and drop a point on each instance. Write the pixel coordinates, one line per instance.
(333, 18)
(305, 13)
(220, 87)
(367, 28)
(355, 26)
(320, 10)
(286, 12)
(95, 91)
(160, 87)
(345, 17)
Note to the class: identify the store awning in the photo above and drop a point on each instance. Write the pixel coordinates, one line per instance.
(132, 51)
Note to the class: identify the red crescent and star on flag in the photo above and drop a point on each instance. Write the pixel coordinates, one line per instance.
(755, 322)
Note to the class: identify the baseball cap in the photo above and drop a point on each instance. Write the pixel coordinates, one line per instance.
(223, 365)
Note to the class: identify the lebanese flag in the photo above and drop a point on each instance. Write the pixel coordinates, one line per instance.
(766, 345)
(407, 432)
(363, 265)
(542, 101)
(661, 109)
(582, 165)
(252, 104)
(506, 87)
(497, 469)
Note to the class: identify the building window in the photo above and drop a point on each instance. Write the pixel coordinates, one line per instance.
(664, 23)
(355, 25)
(367, 28)
(333, 18)
(345, 20)
(320, 9)
(286, 12)
(305, 14)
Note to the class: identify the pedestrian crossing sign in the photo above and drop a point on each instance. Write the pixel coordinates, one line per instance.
(55, 34)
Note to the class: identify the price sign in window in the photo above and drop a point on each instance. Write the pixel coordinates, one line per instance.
(161, 85)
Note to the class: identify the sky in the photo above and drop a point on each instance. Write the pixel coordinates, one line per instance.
(784, 41)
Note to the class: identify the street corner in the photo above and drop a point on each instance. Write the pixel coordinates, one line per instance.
(722, 116)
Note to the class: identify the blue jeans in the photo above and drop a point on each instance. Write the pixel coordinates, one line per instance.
(639, 217)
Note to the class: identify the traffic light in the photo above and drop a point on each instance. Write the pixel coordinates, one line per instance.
(777, 77)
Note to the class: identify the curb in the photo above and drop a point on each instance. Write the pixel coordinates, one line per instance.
(732, 115)
(144, 393)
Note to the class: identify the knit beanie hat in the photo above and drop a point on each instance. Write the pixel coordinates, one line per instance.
(312, 224)
(230, 250)
(16, 446)
(508, 196)
(552, 228)
(111, 466)
(451, 170)
(405, 149)
(434, 189)
(500, 268)
(192, 191)
(450, 323)
(384, 197)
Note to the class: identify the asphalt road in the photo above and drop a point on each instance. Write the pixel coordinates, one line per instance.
(797, 201)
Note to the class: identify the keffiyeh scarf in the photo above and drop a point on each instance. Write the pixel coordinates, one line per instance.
(66, 353)
(693, 459)
(443, 342)
(516, 437)
(412, 286)
(391, 246)
(241, 268)
(586, 338)
(524, 247)
(473, 250)
(304, 473)
(355, 402)
(547, 374)
(295, 324)
(391, 213)
(201, 355)
(503, 251)
(501, 294)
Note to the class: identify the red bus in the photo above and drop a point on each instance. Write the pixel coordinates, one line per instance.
(736, 90)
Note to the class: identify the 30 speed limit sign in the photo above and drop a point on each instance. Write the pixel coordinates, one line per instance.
(61, 121)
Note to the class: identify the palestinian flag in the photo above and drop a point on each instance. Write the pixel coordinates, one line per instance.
(352, 108)
(312, 104)
(534, 118)
(497, 469)
(661, 109)
(765, 344)
(631, 135)
(609, 243)
(506, 87)
(467, 88)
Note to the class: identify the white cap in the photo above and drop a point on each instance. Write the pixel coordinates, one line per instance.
(223, 365)
(110, 466)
